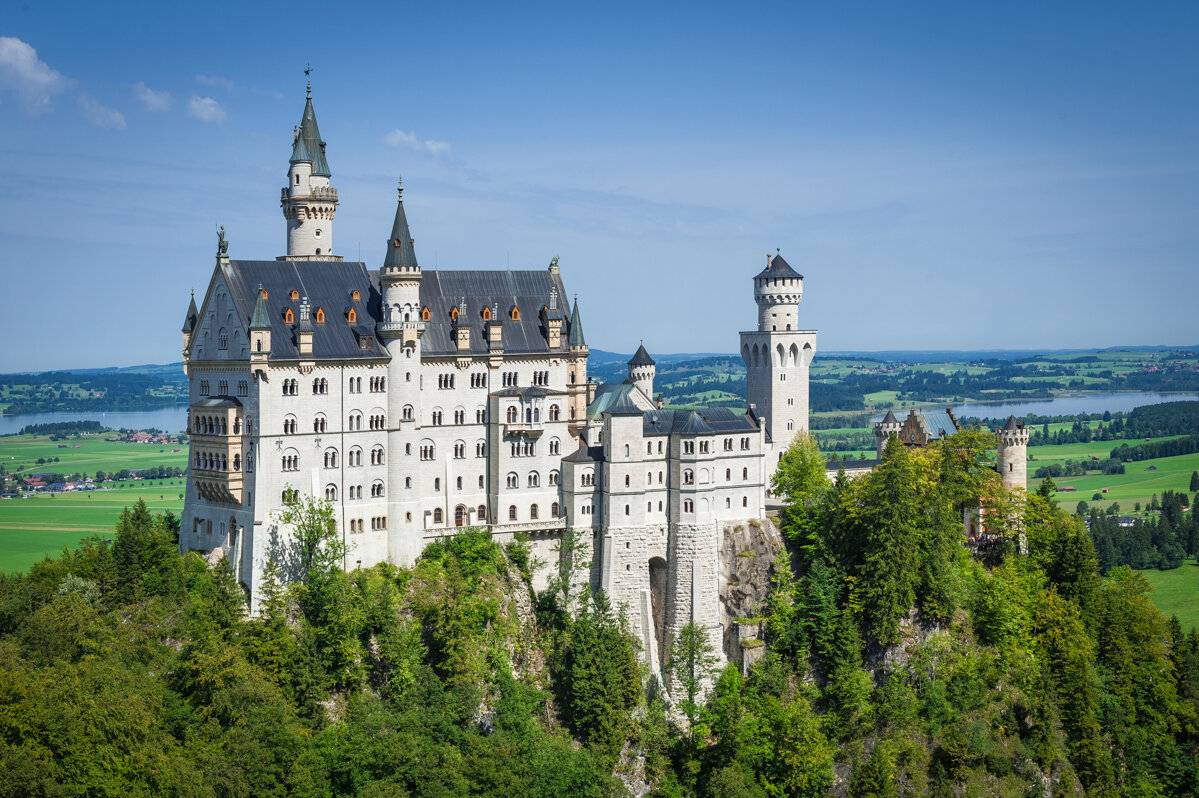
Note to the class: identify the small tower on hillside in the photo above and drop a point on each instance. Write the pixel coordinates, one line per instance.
(641, 372)
(883, 430)
(1012, 454)
(260, 334)
(578, 389)
(309, 202)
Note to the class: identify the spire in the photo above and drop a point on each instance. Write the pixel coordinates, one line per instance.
(308, 145)
(641, 358)
(576, 327)
(400, 252)
(189, 321)
(261, 320)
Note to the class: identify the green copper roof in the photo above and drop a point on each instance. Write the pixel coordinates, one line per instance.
(400, 252)
(308, 143)
(576, 327)
(261, 320)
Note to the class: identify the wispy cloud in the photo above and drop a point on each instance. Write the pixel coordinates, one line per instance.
(32, 79)
(205, 109)
(99, 115)
(216, 81)
(401, 138)
(152, 100)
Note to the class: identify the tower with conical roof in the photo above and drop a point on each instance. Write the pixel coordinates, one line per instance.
(777, 355)
(579, 391)
(641, 372)
(309, 202)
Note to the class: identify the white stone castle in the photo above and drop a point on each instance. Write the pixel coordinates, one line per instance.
(422, 402)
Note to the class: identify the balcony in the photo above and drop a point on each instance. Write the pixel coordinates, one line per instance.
(528, 429)
(221, 487)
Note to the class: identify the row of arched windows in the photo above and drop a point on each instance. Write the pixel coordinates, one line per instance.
(291, 387)
(533, 480)
(210, 461)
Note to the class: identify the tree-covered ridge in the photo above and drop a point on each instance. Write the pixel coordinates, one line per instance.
(898, 661)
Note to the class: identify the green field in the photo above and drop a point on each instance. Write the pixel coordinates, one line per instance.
(1137, 484)
(1176, 592)
(94, 453)
(43, 523)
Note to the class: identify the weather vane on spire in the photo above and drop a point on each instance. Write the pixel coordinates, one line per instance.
(308, 74)
(400, 187)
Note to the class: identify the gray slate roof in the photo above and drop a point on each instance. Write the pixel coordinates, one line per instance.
(529, 291)
(328, 286)
(701, 421)
(585, 454)
(189, 321)
(1012, 423)
(779, 269)
(641, 357)
(400, 252)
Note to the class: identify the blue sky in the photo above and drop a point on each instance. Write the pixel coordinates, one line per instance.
(945, 175)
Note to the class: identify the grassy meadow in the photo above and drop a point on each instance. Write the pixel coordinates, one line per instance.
(1176, 592)
(43, 523)
(1138, 483)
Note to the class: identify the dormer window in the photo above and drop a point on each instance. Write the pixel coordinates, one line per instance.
(295, 294)
(355, 295)
(352, 316)
(320, 315)
(486, 313)
(264, 294)
(425, 315)
(289, 317)
(515, 313)
(454, 314)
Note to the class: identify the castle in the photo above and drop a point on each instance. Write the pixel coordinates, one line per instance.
(419, 402)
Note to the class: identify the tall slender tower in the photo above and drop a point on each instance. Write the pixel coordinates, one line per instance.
(309, 202)
(777, 354)
(400, 331)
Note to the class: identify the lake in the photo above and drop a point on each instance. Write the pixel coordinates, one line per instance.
(167, 419)
(1070, 404)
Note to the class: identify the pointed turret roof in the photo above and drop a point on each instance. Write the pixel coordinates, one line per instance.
(308, 146)
(890, 418)
(189, 321)
(641, 358)
(780, 269)
(1012, 423)
(261, 320)
(400, 252)
(576, 327)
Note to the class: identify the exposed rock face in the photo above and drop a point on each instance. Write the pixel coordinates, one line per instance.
(747, 553)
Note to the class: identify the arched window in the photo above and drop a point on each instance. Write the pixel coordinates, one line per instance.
(728, 474)
(688, 477)
(534, 479)
(553, 478)
(555, 446)
(626, 480)
(512, 512)
(626, 450)
(745, 473)
(320, 315)
(481, 512)
(407, 413)
(438, 516)
(425, 315)
(511, 415)
(407, 483)
(289, 317)
(533, 512)
(355, 294)
(331, 493)
(514, 313)
(555, 510)
(295, 294)
(512, 481)
(554, 412)
(377, 489)
(486, 313)
(352, 316)
(744, 501)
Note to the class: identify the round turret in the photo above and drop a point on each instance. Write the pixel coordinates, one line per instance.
(1012, 454)
(642, 370)
(778, 290)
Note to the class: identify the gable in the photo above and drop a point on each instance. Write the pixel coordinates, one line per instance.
(220, 332)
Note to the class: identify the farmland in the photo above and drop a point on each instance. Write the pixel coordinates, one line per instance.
(1176, 592)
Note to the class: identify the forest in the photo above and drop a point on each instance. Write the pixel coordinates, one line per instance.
(899, 660)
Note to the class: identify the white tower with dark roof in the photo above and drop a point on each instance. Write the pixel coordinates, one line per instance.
(777, 355)
(309, 202)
